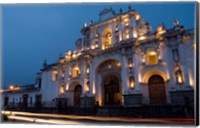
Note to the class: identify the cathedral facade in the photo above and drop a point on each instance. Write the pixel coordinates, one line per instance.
(118, 61)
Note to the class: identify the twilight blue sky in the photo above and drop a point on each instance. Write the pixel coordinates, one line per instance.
(33, 32)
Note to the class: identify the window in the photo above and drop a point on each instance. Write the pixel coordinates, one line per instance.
(126, 22)
(152, 57)
(130, 62)
(96, 34)
(54, 76)
(75, 72)
(116, 28)
(178, 75)
(127, 34)
(108, 40)
(132, 82)
(61, 89)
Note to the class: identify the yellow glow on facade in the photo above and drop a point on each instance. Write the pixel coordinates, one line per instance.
(132, 83)
(142, 38)
(191, 80)
(135, 35)
(96, 46)
(127, 34)
(67, 87)
(137, 16)
(54, 75)
(61, 90)
(152, 57)
(139, 78)
(92, 47)
(88, 70)
(103, 48)
(126, 22)
(74, 55)
(75, 72)
(87, 89)
(93, 88)
(118, 64)
(180, 79)
(11, 87)
(1, 90)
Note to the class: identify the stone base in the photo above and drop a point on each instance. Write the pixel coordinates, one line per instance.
(182, 97)
(87, 102)
(132, 99)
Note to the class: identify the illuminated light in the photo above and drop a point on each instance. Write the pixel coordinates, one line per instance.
(75, 72)
(96, 46)
(132, 83)
(127, 36)
(12, 87)
(87, 88)
(93, 88)
(61, 90)
(135, 35)
(109, 66)
(142, 38)
(92, 47)
(120, 37)
(179, 79)
(1, 90)
(137, 16)
(118, 64)
(130, 65)
(69, 53)
(194, 46)
(85, 24)
(67, 87)
(191, 80)
(88, 70)
(126, 21)
(54, 75)
(103, 47)
(152, 57)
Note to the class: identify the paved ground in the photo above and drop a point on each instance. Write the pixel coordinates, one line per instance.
(27, 117)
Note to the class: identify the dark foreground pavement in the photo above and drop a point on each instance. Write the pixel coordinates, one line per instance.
(27, 117)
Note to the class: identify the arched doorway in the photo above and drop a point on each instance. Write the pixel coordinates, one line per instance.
(109, 83)
(77, 94)
(111, 90)
(157, 91)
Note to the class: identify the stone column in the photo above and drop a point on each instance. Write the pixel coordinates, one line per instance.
(83, 77)
(91, 77)
(124, 72)
(135, 61)
(186, 76)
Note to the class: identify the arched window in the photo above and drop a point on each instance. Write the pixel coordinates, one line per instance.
(116, 28)
(152, 57)
(88, 86)
(132, 82)
(127, 34)
(130, 62)
(75, 72)
(178, 75)
(106, 38)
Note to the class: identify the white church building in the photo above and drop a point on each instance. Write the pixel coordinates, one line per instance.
(118, 61)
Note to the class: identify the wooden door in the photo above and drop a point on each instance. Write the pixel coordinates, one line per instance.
(157, 91)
